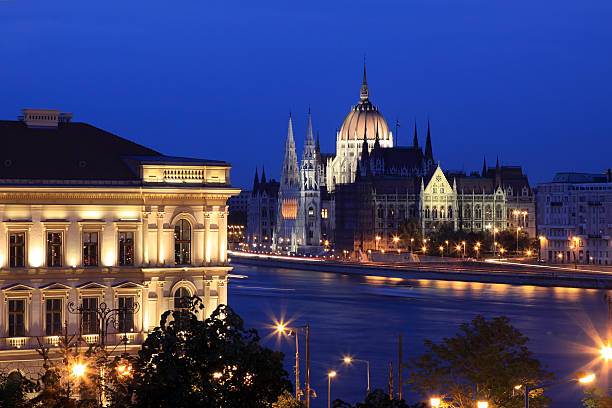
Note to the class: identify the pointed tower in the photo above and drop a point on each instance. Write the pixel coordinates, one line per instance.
(415, 141)
(363, 169)
(498, 180)
(255, 183)
(365, 93)
(309, 208)
(288, 196)
(263, 177)
(429, 159)
(484, 167)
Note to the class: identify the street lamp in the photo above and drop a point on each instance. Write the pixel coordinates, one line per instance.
(424, 249)
(78, 369)
(518, 230)
(477, 248)
(435, 402)
(581, 377)
(482, 404)
(330, 375)
(463, 248)
(293, 331)
(441, 250)
(349, 360)
(495, 231)
(395, 240)
(377, 238)
(411, 242)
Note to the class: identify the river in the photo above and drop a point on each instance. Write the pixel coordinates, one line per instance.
(363, 315)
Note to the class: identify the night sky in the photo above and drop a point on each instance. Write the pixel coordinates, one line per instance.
(529, 81)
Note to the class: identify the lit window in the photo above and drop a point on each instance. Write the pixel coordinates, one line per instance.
(90, 248)
(181, 297)
(16, 315)
(53, 317)
(324, 213)
(310, 211)
(126, 248)
(182, 243)
(54, 249)
(17, 249)
(126, 314)
(89, 315)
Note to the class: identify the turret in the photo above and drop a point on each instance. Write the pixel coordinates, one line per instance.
(255, 183)
(484, 167)
(428, 149)
(415, 141)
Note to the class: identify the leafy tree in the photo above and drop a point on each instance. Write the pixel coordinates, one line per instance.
(14, 388)
(485, 360)
(186, 362)
(286, 400)
(377, 399)
(411, 229)
(597, 398)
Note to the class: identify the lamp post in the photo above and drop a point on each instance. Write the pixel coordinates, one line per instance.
(582, 378)
(411, 242)
(330, 375)
(541, 238)
(395, 241)
(441, 251)
(435, 402)
(281, 328)
(463, 249)
(377, 238)
(349, 360)
(447, 250)
(518, 230)
(495, 231)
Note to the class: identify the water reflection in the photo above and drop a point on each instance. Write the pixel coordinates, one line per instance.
(363, 315)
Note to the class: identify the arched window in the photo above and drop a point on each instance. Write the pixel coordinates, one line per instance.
(450, 212)
(427, 212)
(477, 212)
(468, 212)
(488, 212)
(181, 297)
(498, 211)
(182, 242)
(434, 212)
(310, 211)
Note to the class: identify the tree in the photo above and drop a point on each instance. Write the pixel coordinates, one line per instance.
(377, 399)
(597, 398)
(186, 362)
(14, 388)
(411, 229)
(485, 360)
(286, 400)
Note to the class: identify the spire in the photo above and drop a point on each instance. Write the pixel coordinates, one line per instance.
(290, 132)
(498, 180)
(256, 182)
(377, 142)
(309, 137)
(289, 175)
(364, 149)
(484, 167)
(428, 150)
(263, 176)
(365, 93)
(497, 164)
(415, 141)
(318, 150)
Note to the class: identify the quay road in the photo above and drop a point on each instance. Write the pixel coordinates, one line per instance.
(362, 313)
(489, 271)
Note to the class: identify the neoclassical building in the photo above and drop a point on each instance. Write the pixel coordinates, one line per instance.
(86, 218)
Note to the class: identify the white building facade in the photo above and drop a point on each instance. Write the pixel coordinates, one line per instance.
(88, 218)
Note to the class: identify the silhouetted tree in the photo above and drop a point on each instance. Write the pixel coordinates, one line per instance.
(377, 399)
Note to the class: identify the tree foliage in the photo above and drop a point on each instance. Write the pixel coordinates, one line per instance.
(14, 388)
(286, 400)
(485, 360)
(186, 362)
(597, 398)
(377, 399)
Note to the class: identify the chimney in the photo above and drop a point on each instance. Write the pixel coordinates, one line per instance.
(44, 118)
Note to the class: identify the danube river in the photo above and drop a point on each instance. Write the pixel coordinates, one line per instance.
(362, 316)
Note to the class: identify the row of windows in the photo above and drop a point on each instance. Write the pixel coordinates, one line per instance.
(91, 247)
(89, 320)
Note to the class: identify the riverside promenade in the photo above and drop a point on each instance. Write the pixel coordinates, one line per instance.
(486, 271)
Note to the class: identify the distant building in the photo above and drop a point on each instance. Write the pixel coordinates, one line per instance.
(575, 218)
(237, 217)
(88, 217)
(261, 212)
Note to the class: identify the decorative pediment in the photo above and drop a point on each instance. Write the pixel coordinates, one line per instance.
(128, 285)
(55, 286)
(18, 287)
(91, 285)
(438, 180)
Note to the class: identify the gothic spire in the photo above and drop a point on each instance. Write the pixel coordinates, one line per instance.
(309, 137)
(484, 167)
(263, 176)
(289, 174)
(415, 141)
(428, 149)
(364, 149)
(256, 182)
(377, 141)
(365, 93)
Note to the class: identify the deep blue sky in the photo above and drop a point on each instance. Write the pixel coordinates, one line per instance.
(529, 81)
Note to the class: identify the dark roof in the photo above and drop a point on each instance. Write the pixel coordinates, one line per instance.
(580, 178)
(398, 157)
(475, 185)
(73, 151)
(399, 185)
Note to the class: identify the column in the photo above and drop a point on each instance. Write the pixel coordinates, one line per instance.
(145, 238)
(160, 231)
(222, 237)
(207, 248)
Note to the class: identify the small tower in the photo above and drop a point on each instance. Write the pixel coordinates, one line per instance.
(429, 158)
(415, 140)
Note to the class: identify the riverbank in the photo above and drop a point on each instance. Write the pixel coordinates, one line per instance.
(467, 271)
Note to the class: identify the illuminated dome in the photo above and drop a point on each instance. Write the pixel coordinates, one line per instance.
(364, 117)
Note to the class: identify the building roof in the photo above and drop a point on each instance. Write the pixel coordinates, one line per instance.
(580, 178)
(75, 151)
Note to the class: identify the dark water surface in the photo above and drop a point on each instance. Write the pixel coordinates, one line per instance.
(363, 316)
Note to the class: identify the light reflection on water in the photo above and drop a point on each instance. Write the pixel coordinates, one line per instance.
(362, 316)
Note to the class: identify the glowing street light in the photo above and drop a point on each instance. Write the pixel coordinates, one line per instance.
(78, 369)
(482, 404)
(349, 360)
(435, 402)
(216, 375)
(581, 377)
(330, 375)
(377, 238)
(293, 331)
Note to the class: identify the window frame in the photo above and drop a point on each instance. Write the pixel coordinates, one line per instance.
(61, 247)
(10, 247)
(121, 246)
(49, 331)
(18, 292)
(181, 242)
(83, 244)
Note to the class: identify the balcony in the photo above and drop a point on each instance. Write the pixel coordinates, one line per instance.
(34, 342)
